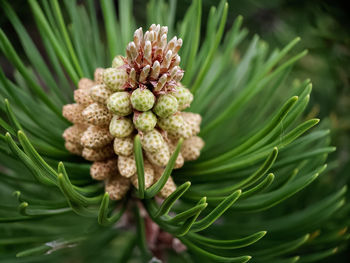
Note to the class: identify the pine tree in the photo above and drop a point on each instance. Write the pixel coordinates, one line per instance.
(253, 194)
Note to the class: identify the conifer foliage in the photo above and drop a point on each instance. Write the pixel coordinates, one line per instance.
(259, 191)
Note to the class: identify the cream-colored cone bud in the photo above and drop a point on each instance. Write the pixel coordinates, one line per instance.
(85, 83)
(145, 121)
(165, 106)
(123, 146)
(97, 114)
(98, 75)
(73, 113)
(74, 148)
(179, 160)
(149, 176)
(121, 127)
(142, 99)
(117, 62)
(103, 170)
(99, 93)
(152, 141)
(82, 96)
(127, 165)
(193, 120)
(169, 186)
(172, 123)
(183, 96)
(119, 103)
(160, 157)
(191, 148)
(115, 78)
(192, 117)
(184, 132)
(117, 186)
(96, 137)
(73, 133)
(100, 154)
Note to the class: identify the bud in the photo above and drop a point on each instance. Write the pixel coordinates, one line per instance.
(179, 160)
(127, 165)
(152, 141)
(160, 157)
(115, 78)
(183, 96)
(145, 121)
(184, 132)
(82, 96)
(149, 176)
(144, 73)
(142, 100)
(103, 170)
(191, 147)
(155, 70)
(96, 137)
(165, 106)
(123, 146)
(99, 93)
(97, 114)
(73, 113)
(119, 103)
(117, 186)
(121, 127)
(85, 83)
(172, 123)
(169, 186)
(73, 133)
(117, 62)
(98, 75)
(193, 120)
(98, 154)
(74, 148)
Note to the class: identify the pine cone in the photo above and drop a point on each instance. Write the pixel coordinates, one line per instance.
(139, 93)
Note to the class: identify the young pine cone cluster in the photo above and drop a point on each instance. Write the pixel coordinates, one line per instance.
(140, 94)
